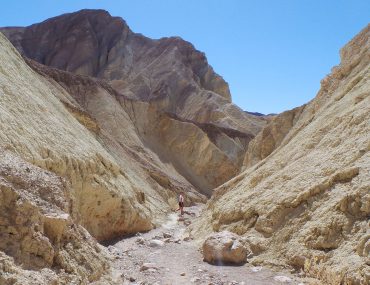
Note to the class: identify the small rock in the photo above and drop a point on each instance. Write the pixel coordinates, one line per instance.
(147, 266)
(111, 248)
(256, 268)
(156, 243)
(183, 274)
(186, 239)
(283, 279)
(167, 235)
(167, 240)
(194, 279)
(200, 270)
(140, 240)
(132, 279)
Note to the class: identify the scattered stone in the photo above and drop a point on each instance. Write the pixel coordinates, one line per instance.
(111, 248)
(283, 279)
(183, 274)
(132, 279)
(224, 247)
(167, 235)
(140, 241)
(256, 268)
(167, 240)
(194, 279)
(147, 266)
(156, 243)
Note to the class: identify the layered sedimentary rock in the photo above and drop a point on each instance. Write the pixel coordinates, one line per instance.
(123, 122)
(36, 125)
(304, 198)
(37, 232)
(163, 78)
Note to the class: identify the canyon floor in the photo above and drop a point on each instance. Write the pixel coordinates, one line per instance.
(168, 255)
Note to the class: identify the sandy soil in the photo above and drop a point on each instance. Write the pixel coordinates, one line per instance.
(167, 256)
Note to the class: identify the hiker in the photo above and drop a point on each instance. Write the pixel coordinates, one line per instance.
(181, 203)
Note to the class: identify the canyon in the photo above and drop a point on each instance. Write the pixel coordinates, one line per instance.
(101, 128)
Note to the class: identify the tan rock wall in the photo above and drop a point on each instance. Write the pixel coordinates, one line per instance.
(36, 125)
(306, 203)
(36, 231)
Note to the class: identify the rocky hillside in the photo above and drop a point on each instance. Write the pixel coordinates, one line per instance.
(100, 129)
(172, 96)
(303, 199)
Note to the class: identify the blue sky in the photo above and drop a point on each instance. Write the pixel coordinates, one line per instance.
(272, 53)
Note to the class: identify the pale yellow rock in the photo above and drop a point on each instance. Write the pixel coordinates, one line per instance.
(224, 248)
(37, 126)
(36, 233)
(307, 203)
(150, 79)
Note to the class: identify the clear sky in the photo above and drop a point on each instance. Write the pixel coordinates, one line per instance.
(273, 54)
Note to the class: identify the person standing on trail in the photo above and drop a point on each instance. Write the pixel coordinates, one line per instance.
(181, 203)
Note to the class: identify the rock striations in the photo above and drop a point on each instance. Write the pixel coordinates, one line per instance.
(122, 121)
(165, 87)
(101, 128)
(304, 197)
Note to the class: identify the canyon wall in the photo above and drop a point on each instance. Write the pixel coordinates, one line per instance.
(303, 199)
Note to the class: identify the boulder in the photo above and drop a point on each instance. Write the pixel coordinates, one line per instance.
(224, 247)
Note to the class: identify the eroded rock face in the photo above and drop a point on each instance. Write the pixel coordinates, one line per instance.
(224, 248)
(271, 136)
(305, 203)
(36, 231)
(105, 138)
(37, 126)
(153, 78)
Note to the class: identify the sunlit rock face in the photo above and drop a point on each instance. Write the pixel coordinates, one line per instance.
(304, 196)
(177, 104)
(37, 232)
(106, 127)
(37, 124)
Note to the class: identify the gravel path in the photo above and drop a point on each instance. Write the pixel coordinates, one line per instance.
(166, 256)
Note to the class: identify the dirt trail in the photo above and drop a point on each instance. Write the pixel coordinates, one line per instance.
(166, 256)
